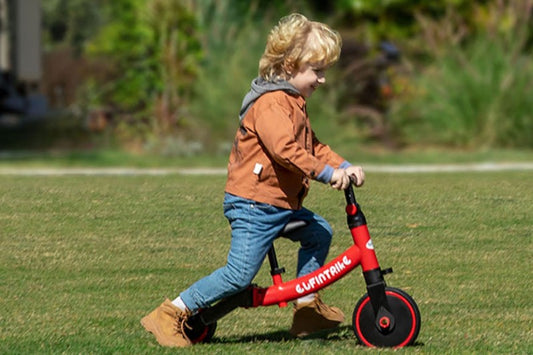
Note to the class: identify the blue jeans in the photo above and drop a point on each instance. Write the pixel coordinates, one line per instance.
(254, 226)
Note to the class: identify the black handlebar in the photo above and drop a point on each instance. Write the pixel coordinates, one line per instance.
(349, 194)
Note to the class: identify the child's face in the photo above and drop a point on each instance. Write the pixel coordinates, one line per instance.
(308, 79)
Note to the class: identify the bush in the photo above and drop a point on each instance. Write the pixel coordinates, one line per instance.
(155, 51)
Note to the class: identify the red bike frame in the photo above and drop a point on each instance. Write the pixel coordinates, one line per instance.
(361, 253)
(383, 317)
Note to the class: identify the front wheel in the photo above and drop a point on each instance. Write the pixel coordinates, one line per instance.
(402, 331)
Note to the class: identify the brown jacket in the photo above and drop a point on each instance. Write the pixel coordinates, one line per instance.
(275, 152)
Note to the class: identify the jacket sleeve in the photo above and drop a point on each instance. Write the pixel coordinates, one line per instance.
(275, 129)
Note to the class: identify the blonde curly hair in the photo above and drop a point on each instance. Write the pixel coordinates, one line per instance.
(294, 41)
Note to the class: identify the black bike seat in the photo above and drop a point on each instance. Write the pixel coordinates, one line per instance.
(292, 226)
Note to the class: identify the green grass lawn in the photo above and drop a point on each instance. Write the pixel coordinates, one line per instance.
(349, 148)
(84, 258)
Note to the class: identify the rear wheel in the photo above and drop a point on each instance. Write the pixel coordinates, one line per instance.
(400, 331)
(201, 333)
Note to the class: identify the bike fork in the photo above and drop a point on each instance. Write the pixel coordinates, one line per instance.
(375, 282)
(372, 272)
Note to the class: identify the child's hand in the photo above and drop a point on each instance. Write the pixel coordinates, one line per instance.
(357, 173)
(340, 180)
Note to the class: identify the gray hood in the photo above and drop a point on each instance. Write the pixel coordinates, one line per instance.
(259, 87)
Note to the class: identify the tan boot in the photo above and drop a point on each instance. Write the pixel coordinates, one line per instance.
(314, 316)
(166, 322)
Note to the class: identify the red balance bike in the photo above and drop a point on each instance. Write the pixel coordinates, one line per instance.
(383, 317)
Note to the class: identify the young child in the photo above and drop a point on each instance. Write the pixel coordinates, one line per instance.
(274, 156)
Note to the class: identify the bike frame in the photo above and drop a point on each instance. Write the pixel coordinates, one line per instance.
(361, 253)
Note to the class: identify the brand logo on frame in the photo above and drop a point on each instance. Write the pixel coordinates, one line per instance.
(325, 275)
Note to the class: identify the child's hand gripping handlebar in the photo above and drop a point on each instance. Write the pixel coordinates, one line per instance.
(356, 175)
(342, 178)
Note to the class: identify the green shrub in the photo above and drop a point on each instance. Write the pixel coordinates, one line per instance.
(155, 52)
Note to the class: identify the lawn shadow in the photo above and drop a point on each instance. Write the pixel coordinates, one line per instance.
(337, 334)
(343, 333)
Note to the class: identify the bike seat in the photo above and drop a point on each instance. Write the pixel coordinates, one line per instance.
(292, 226)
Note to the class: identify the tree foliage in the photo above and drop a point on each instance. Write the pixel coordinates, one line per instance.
(71, 22)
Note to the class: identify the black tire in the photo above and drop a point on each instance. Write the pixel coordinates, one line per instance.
(405, 329)
(201, 334)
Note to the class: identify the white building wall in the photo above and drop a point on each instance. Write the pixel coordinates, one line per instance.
(27, 40)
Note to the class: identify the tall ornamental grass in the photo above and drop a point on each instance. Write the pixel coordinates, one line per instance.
(476, 92)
